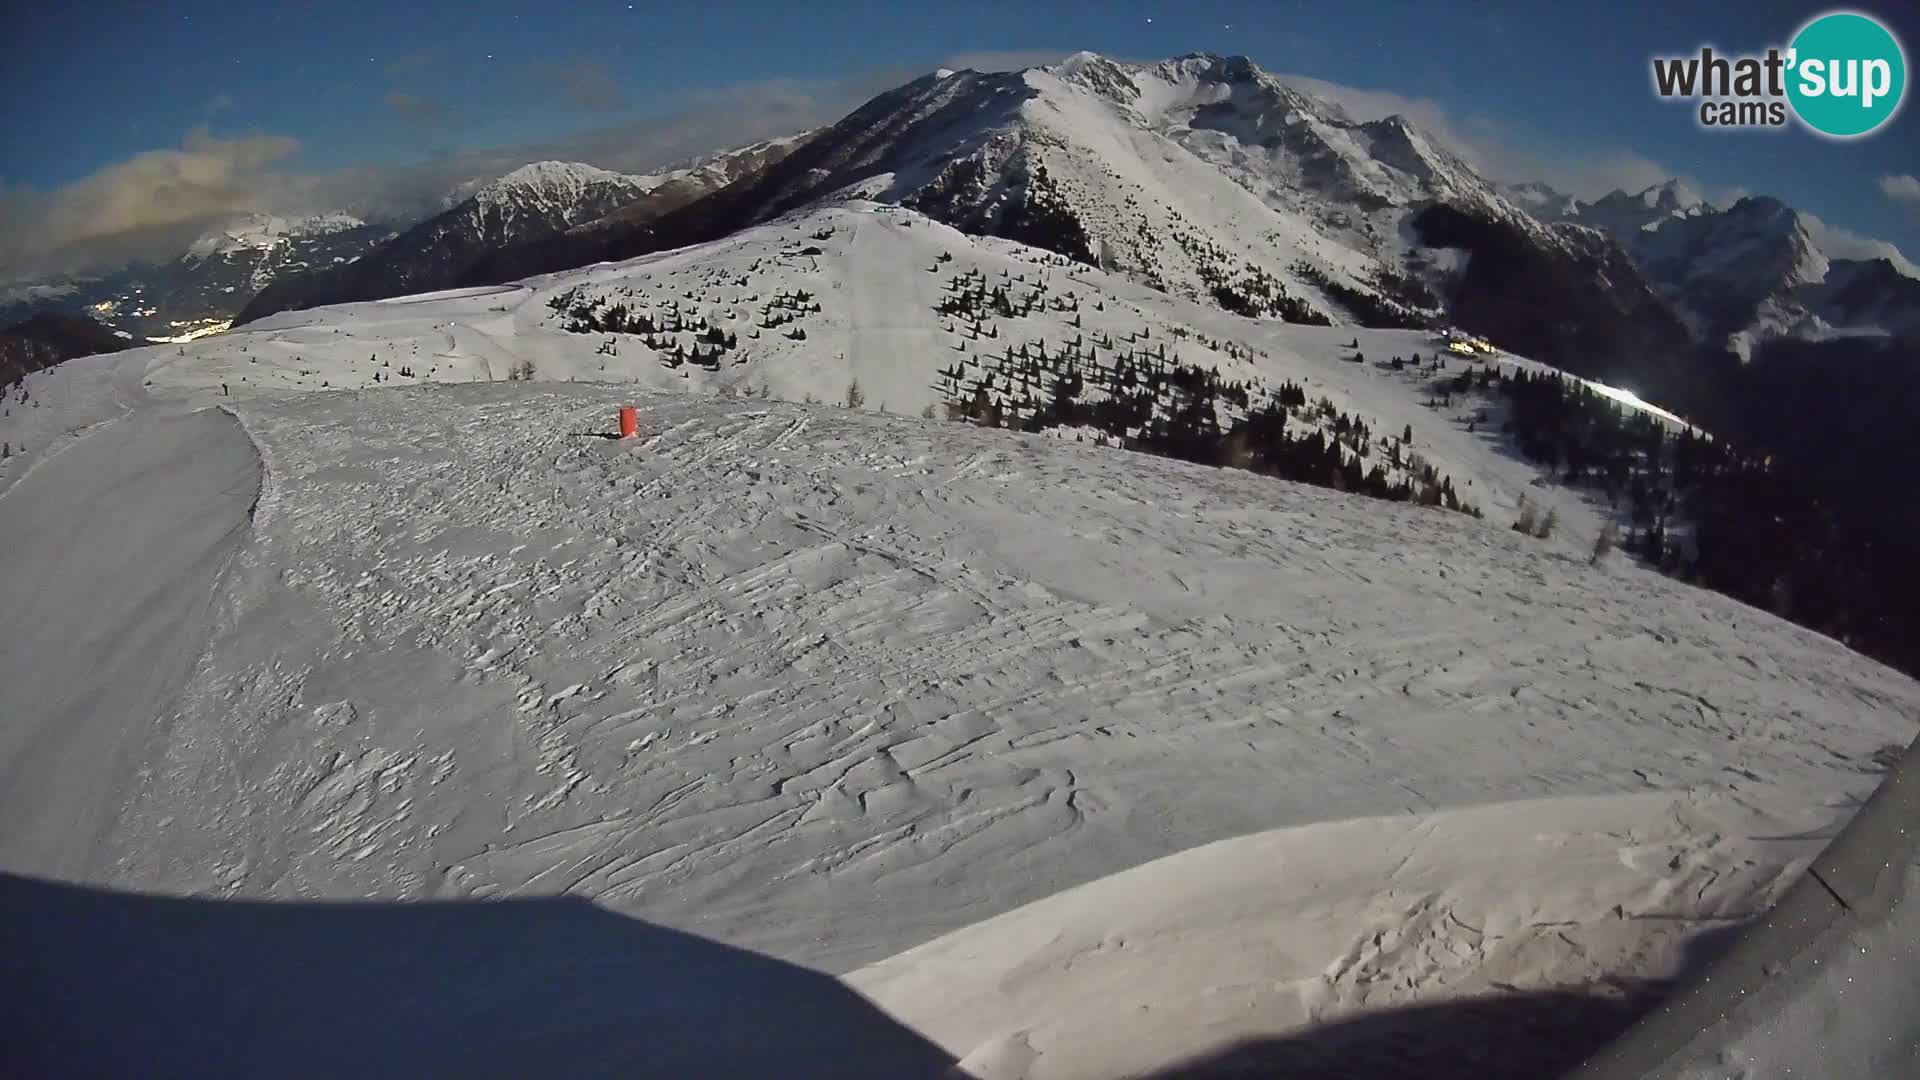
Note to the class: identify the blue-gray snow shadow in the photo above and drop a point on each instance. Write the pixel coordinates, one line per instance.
(101, 983)
(1516, 1035)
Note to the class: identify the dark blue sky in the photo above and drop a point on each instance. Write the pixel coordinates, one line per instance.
(1561, 84)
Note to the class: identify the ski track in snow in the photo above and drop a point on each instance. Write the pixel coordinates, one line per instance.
(121, 539)
(825, 685)
(829, 685)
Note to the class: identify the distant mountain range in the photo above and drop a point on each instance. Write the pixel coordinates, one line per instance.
(1747, 272)
(529, 204)
(201, 290)
(204, 288)
(1207, 178)
(1202, 176)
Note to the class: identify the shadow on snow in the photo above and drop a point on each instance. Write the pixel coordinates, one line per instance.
(1529, 1035)
(100, 983)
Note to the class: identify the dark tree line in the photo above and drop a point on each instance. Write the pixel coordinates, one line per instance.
(1034, 212)
(1813, 535)
(1402, 303)
(1164, 407)
(1250, 291)
(581, 312)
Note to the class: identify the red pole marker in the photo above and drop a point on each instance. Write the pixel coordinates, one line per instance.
(629, 421)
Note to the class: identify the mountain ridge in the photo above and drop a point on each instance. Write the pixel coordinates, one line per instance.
(1205, 176)
(536, 201)
(203, 287)
(1748, 271)
(50, 338)
(1201, 175)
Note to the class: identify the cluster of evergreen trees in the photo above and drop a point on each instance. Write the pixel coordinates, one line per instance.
(1251, 292)
(972, 297)
(1774, 533)
(1149, 403)
(1404, 302)
(662, 331)
(1035, 211)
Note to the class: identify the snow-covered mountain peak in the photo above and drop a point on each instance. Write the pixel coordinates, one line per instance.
(260, 232)
(1079, 62)
(1099, 74)
(1740, 272)
(1206, 67)
(1169, 92)
(548, 195)
(1389, 161)
(1766, 211)
(1544, 201)
(1735, 273)
(1672, 196)
(564, 179)
(1625, 214)
(1534, 193)
(1203, 175)
(1760, 222)
(1397, 142)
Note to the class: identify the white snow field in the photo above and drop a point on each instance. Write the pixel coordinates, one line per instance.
(115, 546)
(1063, 761)
(872, 287)
(1325, 932)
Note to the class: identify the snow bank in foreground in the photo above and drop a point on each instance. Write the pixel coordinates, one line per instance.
(1274, 935)
(114, 546)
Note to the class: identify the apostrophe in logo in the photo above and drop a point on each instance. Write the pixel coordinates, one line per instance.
(1848, 74)
(1844, 75)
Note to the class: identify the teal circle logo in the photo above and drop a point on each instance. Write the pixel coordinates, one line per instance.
(1847, 74)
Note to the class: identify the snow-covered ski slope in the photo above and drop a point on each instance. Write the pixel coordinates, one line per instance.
(873, 277)
(853, 690)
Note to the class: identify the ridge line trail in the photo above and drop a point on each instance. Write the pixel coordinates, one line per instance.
(827, 684)
(890, 303)
(116, 548)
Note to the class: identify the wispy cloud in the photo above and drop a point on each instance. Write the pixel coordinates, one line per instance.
(218, 103)
(583, 83)
(415, 109)
(415, 64)
(698, 122)
(142, 208)
(154, 202)
(1903, 188)
(1841, 243)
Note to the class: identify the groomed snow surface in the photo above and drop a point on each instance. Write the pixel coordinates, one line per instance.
(877, 744)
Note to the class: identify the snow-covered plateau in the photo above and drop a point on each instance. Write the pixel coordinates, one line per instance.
(859, 742)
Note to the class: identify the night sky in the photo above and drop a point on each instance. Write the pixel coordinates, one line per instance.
(1536, 90)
